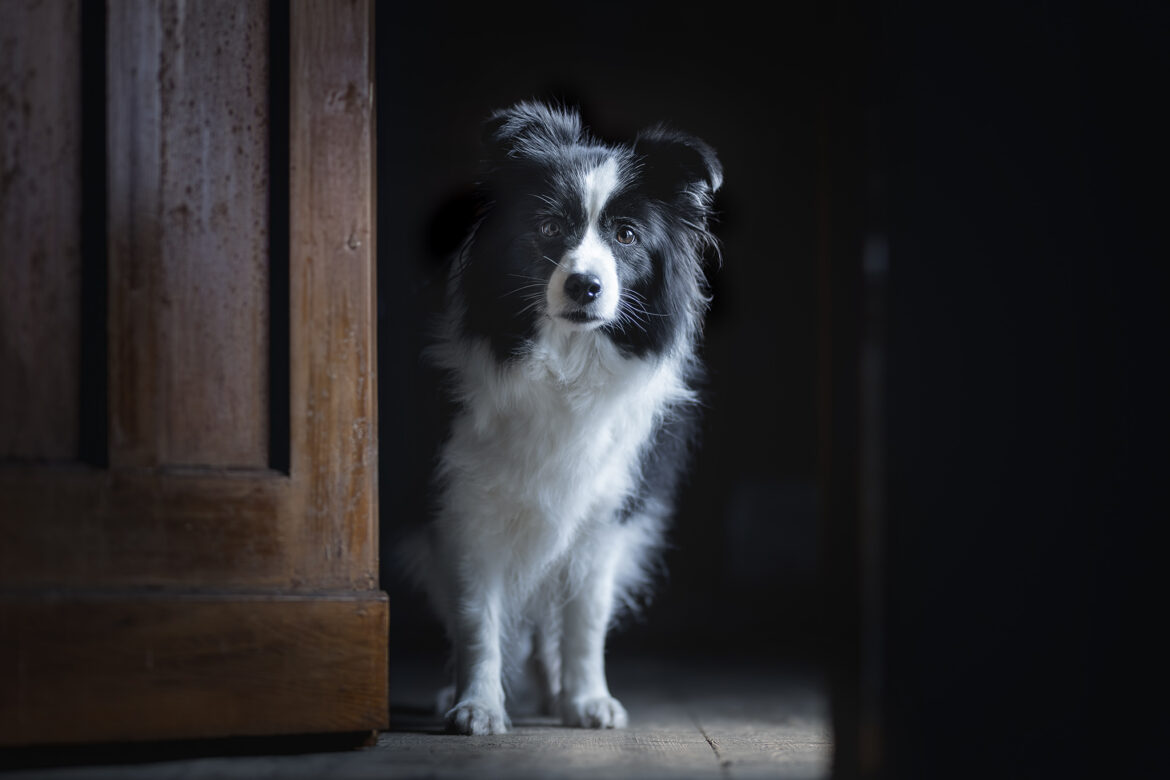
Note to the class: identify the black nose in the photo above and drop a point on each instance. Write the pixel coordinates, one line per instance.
(583, 288)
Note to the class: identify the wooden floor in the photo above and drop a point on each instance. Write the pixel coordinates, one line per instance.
(687, 720)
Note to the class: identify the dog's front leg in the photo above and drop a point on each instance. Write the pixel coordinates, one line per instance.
(585, 697)
(479, 691)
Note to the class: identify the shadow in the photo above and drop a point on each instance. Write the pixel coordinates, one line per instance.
(415, 719)
(46, 756)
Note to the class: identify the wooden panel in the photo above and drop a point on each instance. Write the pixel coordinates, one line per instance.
(188, 228)
(197, 666)
(189, 590)
(148, 524)
(334, 424)
(80, 527)
(40, 202)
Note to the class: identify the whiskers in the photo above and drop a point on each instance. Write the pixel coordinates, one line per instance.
(531, 293)
(633, 311)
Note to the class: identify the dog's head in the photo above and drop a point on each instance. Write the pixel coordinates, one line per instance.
(587, 236)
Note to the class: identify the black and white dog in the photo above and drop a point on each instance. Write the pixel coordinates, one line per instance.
(573, 312)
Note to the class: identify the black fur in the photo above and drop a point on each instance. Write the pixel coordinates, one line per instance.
(664, 462)
(584, 275)
(665, 188)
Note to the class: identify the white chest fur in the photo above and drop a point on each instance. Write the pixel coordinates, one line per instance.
(550, 443)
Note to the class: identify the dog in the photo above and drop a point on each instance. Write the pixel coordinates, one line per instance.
(569, 340)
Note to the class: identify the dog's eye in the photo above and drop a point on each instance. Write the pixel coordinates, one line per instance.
(549, 229)
(626, 235)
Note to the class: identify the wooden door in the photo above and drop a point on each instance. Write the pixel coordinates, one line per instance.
(188, 452)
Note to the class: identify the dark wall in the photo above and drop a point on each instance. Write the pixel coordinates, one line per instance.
(1026, 313)
(1010, 156)
(750, 83)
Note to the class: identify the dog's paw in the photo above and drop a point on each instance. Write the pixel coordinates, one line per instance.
(473, 717)
(597, 712)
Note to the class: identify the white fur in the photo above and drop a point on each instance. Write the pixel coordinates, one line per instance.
(526, 560)
(591, 255)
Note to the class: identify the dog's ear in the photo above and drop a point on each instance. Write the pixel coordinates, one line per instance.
(529, 128)
(675, 163)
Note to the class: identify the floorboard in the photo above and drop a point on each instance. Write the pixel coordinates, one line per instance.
(716, 720)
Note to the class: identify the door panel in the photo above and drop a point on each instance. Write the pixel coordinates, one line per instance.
(188, 226)
(232, 538)
(40, 194)
(192, 666)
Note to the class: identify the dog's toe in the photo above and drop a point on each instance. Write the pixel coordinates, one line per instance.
(598, 712)
(471, 717)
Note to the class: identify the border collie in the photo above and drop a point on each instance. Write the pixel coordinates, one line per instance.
(573, 312)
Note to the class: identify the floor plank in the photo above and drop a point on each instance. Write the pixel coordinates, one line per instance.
(761, 723)
(724, 721)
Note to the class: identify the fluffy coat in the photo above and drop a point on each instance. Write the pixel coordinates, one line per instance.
(573, 312)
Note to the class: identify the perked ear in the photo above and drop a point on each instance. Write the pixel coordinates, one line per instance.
(674, 163)
(528, 128)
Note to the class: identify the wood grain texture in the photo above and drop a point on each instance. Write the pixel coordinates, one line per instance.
(777, 728)
(143, 522)
(188, 121)
(188, 507)
(708, 718)
(40, 223)
(332, 286)
(133, 668)
(81, 527)
(705, 718)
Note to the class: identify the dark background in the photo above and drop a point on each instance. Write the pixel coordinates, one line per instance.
(961, 538)
(746, 528)
(1020, 160)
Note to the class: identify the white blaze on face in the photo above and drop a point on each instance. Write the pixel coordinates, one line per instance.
(592, 255)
